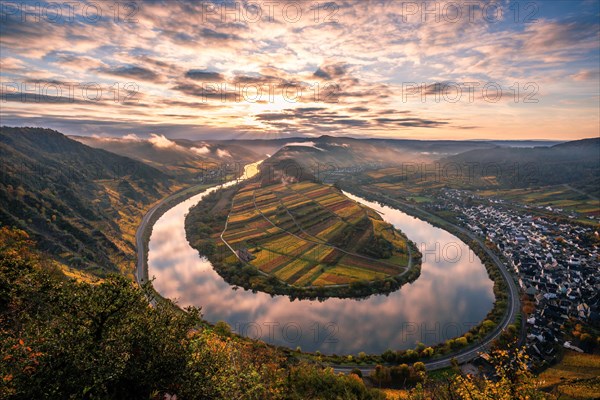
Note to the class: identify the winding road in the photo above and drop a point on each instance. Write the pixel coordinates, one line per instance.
(465, 355)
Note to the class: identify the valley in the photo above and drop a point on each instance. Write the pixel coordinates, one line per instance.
(282, 245)
(300, 200)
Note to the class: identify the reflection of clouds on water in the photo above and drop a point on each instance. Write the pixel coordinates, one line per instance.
(447, 293)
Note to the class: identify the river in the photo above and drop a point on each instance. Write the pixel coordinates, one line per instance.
(452, 294)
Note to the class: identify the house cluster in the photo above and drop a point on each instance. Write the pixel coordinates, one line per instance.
(557, 264)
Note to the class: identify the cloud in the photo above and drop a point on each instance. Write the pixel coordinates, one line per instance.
(359, 109)
(206, 92)
(79, 62)
(331, 71)
(411, 122)
(202, 75)
(11, 64)
(201, 150)
(223, 153)
(587, 75)
(131, 71)
(161, 141)
(368, 50)
(303, 144)
(132, 137)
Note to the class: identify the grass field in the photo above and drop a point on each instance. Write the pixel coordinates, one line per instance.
(562, 196)
(577, 376)
(412, 186)
(308, 234)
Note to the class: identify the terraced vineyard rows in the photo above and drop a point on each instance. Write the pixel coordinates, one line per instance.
(308, 234)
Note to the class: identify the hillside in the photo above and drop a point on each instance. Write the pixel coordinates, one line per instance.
(328, 153)
(61, 339)
(576, 162)
(81, 205)
(184, 159)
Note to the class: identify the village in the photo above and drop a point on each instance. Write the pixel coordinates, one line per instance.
(555, 264)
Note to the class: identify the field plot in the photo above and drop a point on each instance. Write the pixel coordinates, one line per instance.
(575, 377)
(561, 196)
(308, 234)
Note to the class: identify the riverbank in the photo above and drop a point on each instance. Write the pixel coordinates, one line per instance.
(144, 231)
(216, 312)
(506, 310)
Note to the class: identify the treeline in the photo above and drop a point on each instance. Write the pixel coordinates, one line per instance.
(566, 163)
(64, 339)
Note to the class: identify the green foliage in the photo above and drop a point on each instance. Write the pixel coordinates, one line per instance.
(222, 328)
(61, 339)
(512, 381)
(316, 383)
(377, 247)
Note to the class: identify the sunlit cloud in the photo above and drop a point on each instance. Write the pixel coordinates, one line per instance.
(217, 69)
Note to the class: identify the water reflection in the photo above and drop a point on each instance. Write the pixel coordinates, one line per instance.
(452, 294)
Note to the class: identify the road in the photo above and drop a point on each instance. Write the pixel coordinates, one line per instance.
(470, 353)
(141, 272)
(462, 356)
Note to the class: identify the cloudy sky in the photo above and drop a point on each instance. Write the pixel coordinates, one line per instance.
(262, 69)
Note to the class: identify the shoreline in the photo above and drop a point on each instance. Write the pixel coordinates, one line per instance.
(142, 239)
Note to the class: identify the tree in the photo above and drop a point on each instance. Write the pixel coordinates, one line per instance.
(222, 328)
(428, 352)
(400, 373)
(512, 381)
(388, 356)
(419, 366)
(380, 374)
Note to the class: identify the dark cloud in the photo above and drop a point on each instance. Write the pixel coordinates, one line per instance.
(201, 35)
(332, 71)
(312, 116)
(352, 122)
(203, 75)
(37, 98)
(206, 92)
(131, 71)
(212, 34)
(257, 79)
(410, 122)
(391, 111)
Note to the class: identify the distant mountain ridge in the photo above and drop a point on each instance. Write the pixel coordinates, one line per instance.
(576, 162)
(180, 158)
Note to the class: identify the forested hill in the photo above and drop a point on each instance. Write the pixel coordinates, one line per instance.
(576, 162)
(77, 202)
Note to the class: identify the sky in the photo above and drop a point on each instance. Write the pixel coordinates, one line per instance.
(271, 69)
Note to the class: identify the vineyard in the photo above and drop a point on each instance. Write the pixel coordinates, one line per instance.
(308, 234)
